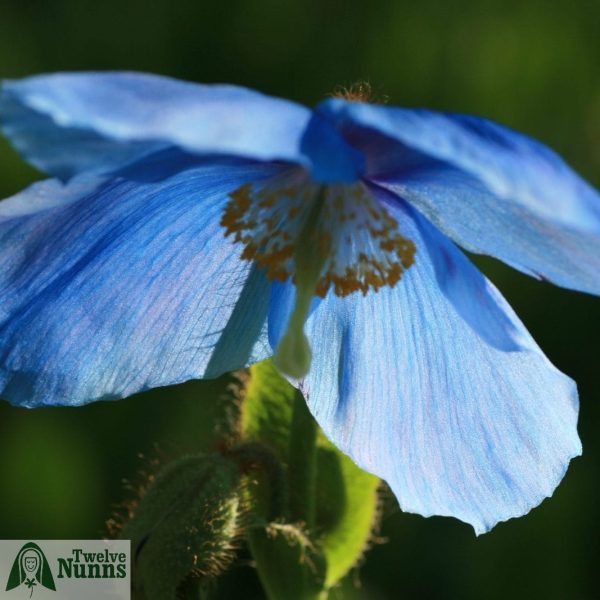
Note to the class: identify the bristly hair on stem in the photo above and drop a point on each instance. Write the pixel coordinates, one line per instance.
(359, 91)
(135, 489)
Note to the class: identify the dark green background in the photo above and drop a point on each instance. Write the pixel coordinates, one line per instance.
(532, 65)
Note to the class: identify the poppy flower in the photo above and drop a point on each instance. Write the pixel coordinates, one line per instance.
(189, 230)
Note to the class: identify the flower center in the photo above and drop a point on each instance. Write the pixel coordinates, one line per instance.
(354, 239)
(335, 237)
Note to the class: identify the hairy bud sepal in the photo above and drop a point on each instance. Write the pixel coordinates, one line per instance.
(185, 526)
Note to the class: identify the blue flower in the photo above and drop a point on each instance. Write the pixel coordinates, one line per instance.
(190, 230)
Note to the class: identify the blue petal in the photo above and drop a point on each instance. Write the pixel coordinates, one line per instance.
(67, 123)
(125, 286)
(490, 189)
(331, 158)
(413, 393)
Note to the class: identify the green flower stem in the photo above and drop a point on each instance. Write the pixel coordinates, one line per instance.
(254, 456)
(302, 463)
(289, 565)
(195, 589)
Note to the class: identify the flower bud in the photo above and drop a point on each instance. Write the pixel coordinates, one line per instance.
(186, 525)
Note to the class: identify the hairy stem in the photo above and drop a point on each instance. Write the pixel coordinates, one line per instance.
(302, 463)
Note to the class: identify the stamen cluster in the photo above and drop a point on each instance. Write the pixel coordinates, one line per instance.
(354, 238)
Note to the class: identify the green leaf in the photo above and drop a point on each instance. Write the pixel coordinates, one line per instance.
(290, 567)
(348, 510)
(346, 497)
(267, 408)
(186, 524)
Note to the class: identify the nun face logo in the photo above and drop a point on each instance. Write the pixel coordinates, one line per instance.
(31, 563)
(31, 570)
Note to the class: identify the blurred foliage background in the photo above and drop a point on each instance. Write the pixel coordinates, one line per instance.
(531, 64)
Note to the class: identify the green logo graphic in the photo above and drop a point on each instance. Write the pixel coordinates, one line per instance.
(30, 569)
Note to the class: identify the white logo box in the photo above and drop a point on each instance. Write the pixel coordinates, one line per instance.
(65, 569)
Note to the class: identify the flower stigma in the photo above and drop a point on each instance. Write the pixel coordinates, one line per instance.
(322, 237)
